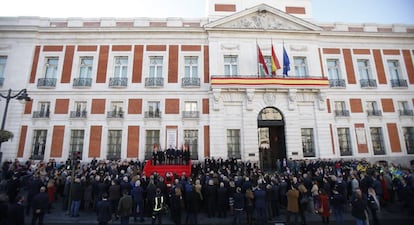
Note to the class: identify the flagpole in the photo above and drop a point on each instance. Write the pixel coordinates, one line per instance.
(283, 44)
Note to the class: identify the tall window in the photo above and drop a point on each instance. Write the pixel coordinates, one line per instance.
(114, 144)
(301, 69)
(85, 67)
(191, 141)
(395, 69)
(152, 137)
(233, 143)
(409, 139)
(190, 109)
(43, 110)
(3, 61)
(80, 109)
(345, 145)
(154, 109)
(334, 72)
(377, 141)
(116, 110)
(155, 66)
(191, 66)
(51, 67)
(404, 108)
(120, 66)
(308, 146)
(340, 109)
(372, 109)
(364, 69)
(230, 65)
(39, 144)
(76, 141)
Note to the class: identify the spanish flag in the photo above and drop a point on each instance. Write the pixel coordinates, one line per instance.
(275, 62)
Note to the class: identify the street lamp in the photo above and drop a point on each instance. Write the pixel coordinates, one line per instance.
(22, 96)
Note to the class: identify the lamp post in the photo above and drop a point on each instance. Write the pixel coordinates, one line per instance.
(21, 95)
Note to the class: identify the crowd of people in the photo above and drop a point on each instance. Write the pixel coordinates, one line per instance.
(120, 190)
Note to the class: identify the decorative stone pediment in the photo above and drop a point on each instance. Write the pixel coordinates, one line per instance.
(263, 17)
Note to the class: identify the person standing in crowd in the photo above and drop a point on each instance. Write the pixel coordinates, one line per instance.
(114, 192)
(193, 205)
(249, 195)
(275, 198)
(33, 188)
(238, 206)
(292, 204)
(324, 209)
(76, 197)
(304, 201)
(260, 204)
(15, 212)
(125, 206)
(211, 198)
(51, 190)
(338, 201)
(222, 201)
(40, 205)
(104, 210)
(373, 205)
(176, 203)
(138, 197)
(158, 204)
(359, 206)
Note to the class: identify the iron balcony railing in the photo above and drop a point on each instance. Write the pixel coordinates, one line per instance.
(78, 114)
(346, 151)
(46, 82)
(368, 83)
(118, 81)
(115, 114)
(82, 82)
(41, 114)
(374, 112)
(337, 83)
(406, 112)
(154, 82)
(190, 82)
(344, 113)
(152, 114)
(399, 83)
(191, 114)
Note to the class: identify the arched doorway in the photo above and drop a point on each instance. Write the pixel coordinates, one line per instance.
(271, 132)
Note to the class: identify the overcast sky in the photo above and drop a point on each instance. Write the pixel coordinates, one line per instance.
(353, 11)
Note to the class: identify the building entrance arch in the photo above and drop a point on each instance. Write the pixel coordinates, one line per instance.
(271, 133)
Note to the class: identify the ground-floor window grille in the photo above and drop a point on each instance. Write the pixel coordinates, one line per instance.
(191, 141)
(308, 146)
(233, 143)
(114, 144)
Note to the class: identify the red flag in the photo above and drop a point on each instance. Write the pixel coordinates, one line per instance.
(262, 61)
(275, 62)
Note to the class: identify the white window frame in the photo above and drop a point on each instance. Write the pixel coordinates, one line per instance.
(231, 65)
(156, 65)
(301, 68)
(191, 66)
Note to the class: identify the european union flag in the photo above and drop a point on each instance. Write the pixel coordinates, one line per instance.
(286, 62)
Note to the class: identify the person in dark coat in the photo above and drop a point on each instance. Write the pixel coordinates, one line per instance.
(359, 207)
(76, 197)
(260, 204)
(193, 205)
(33, 186)
(16, 212)
(211, 198)
(338, 201)
(176, 203)
(125, 207)
(222, 201)
(13, 187)
(4, 201)
(138, 197)
(40, 205)
(114, 192)
(238, 206)
(104, 210)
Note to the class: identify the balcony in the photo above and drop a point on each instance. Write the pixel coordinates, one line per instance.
(396, 83)
(310, 82)
(46, 82)
(78, 114)
(190, 82)
(118, 82)
(368, 83)
(41, 114)
(406, 112)
(82, 82)
(337, 83)
(342, 113)
(154, 82)
(152, 114)
(115, 114)
(374, 112)
(346, 151)
(191, 114)
(1, 81)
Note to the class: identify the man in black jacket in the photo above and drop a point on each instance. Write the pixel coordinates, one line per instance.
(104, 210)
(16, 212)
(40, 204)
